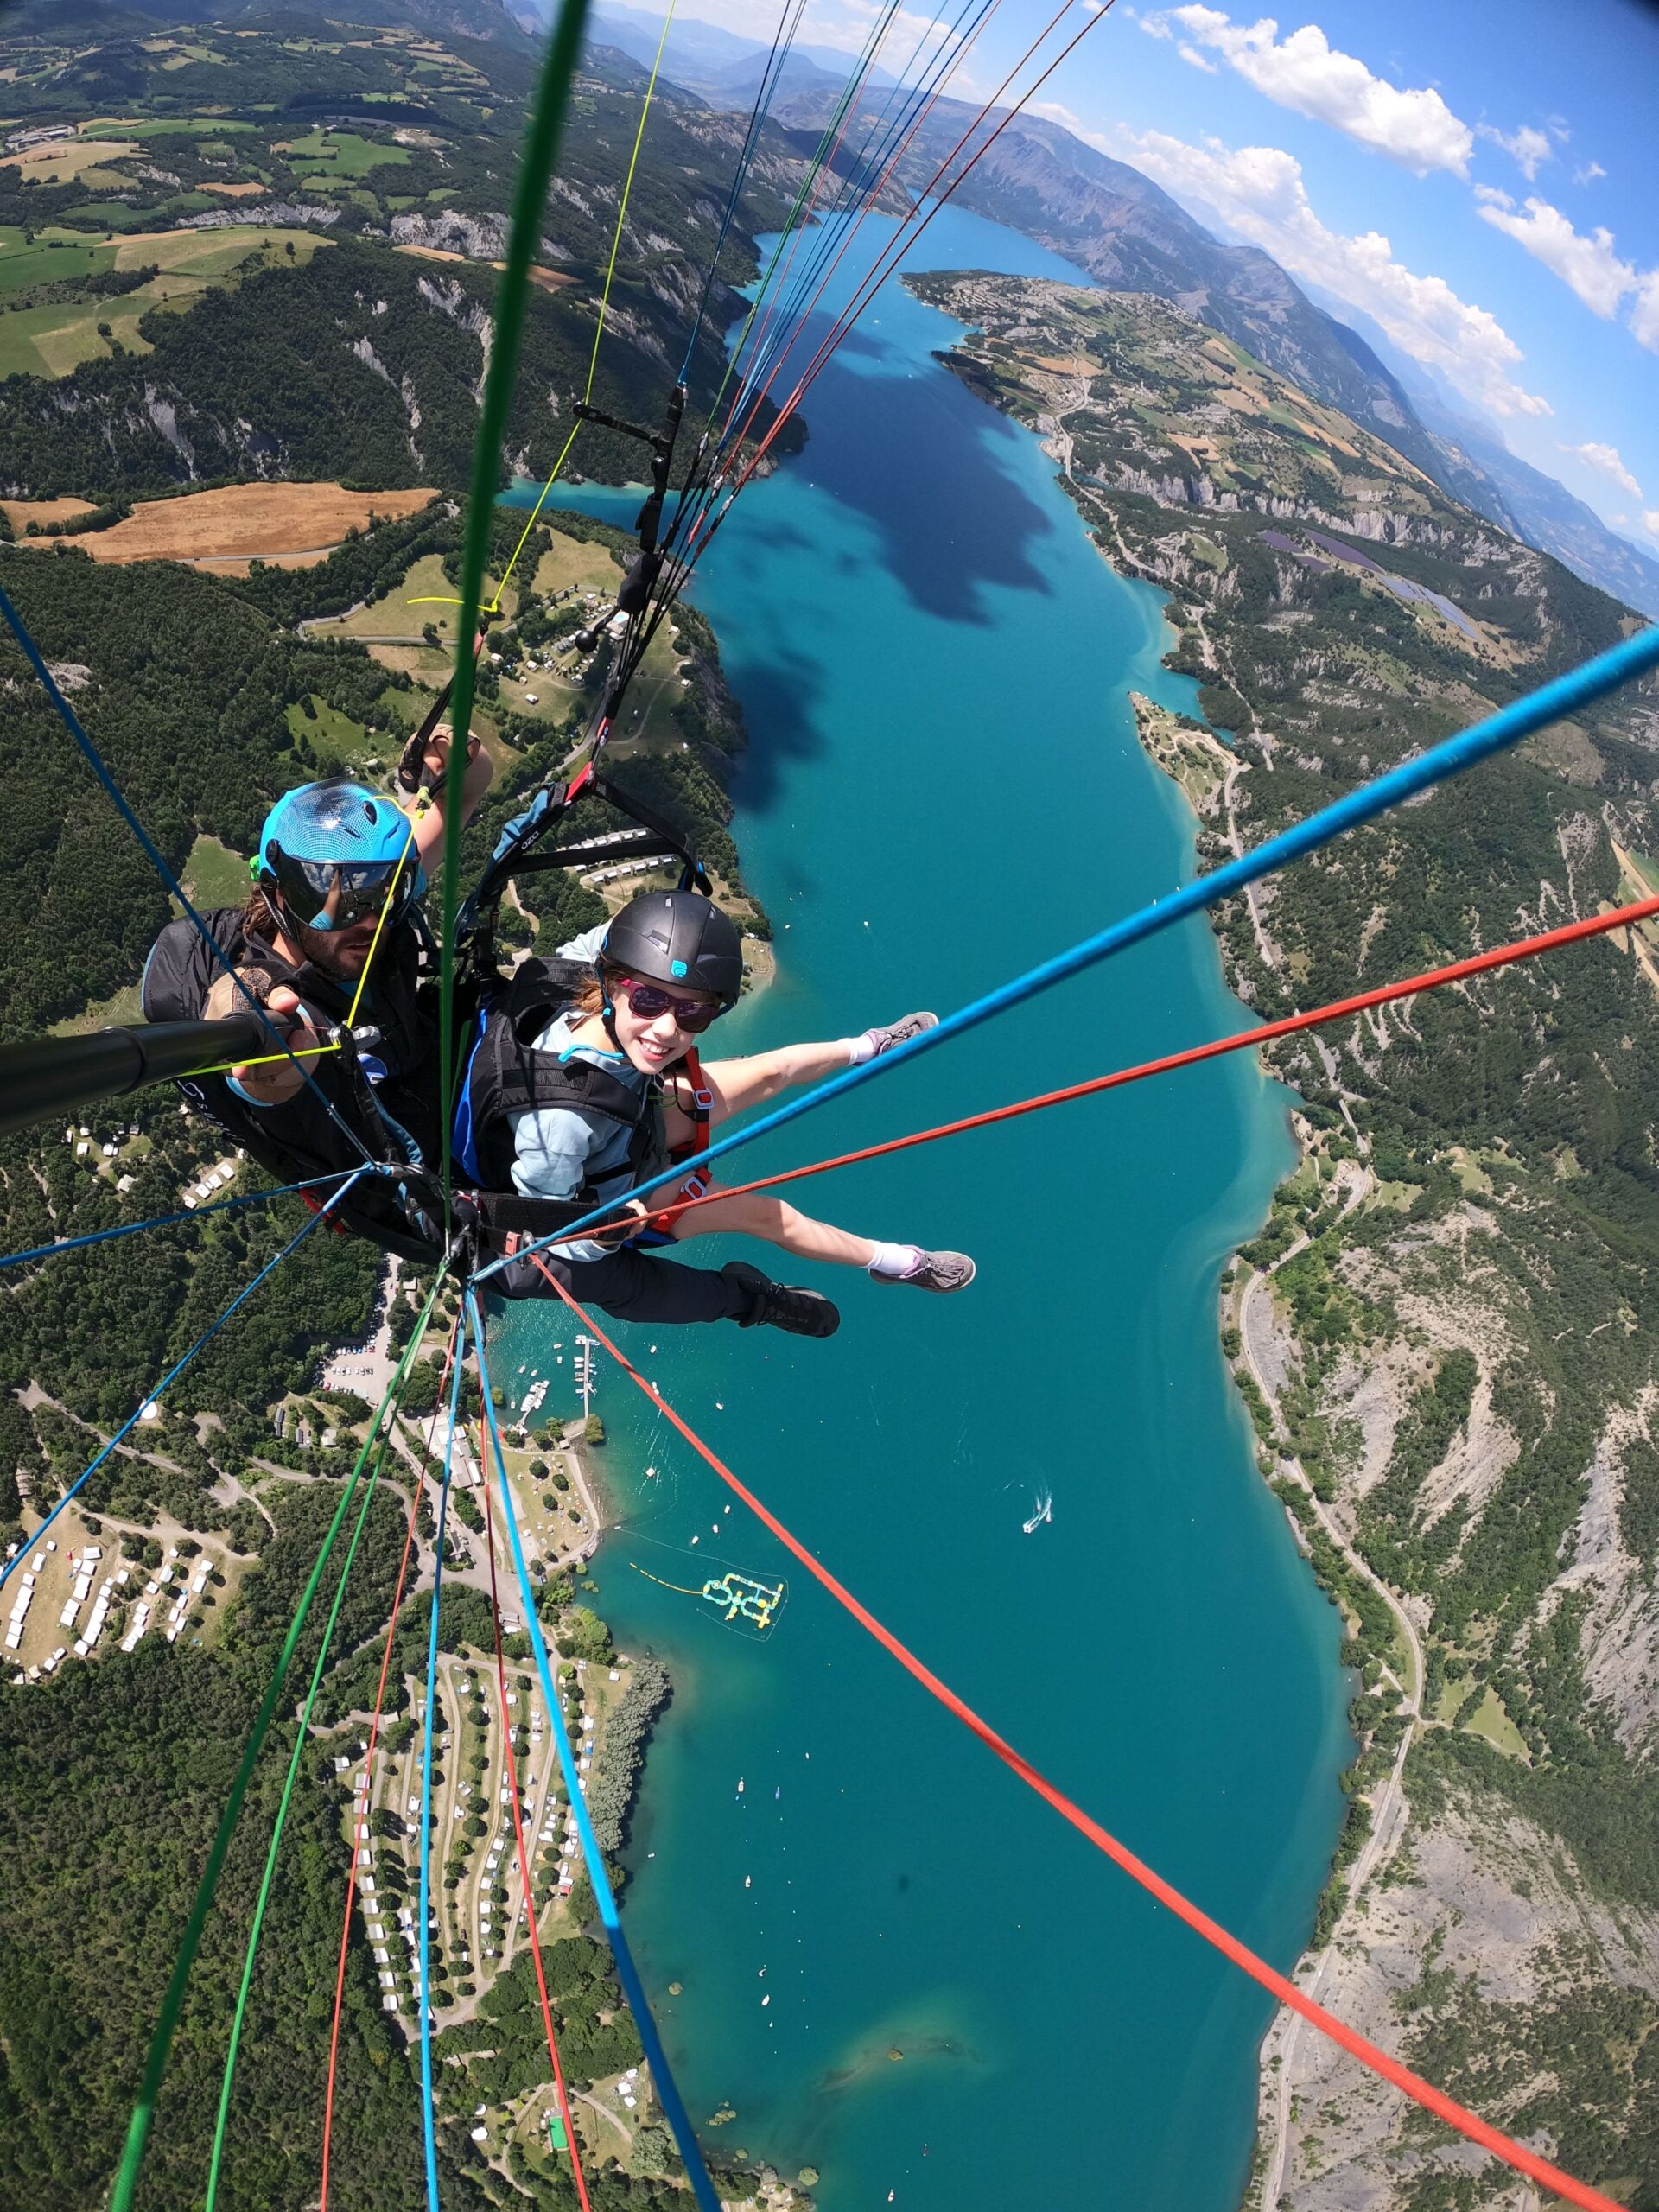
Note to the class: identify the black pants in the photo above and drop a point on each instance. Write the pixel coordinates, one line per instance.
(633, 1286)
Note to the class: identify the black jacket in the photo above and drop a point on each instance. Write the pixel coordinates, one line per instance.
(397, 1116)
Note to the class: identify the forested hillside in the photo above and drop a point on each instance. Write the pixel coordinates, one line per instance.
(114, 1781)
(1445, 1335)
(361, 355)
(261, 247)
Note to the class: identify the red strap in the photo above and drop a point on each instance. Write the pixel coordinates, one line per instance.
(701, 1112)
(313, 1204)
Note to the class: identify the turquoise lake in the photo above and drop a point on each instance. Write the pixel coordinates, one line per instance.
(943, 785)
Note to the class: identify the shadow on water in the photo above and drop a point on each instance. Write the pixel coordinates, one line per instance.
(782, 695)
(874, 437)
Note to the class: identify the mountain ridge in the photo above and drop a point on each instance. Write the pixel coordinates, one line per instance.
(1042, 179)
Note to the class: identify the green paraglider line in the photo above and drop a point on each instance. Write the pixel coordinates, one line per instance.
(535, 173)
(143, 2111)
(272, 1854)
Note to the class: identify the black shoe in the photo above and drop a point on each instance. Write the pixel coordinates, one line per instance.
(782, 1305)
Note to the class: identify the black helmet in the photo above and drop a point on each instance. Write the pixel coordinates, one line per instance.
(677, 937)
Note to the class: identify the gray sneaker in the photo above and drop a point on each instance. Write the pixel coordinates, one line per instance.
(936, 1271)
(900, 1033)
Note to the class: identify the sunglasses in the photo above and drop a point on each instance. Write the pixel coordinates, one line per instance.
(326, 896)
(649, 1002)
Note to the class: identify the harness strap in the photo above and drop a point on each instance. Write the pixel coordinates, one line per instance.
(503, 1213)
(701, 1111)
(313, 1203)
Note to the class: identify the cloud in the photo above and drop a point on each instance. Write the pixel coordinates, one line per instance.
(1588, 265)
(1588, 173)
(1259, 192)
(1306, 73)
(1527, 148)
(1644, 315)
(1650, 522)
(1606, 459)
(1198, 60)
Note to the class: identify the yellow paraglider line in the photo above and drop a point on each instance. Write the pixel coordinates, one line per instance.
(593, 363)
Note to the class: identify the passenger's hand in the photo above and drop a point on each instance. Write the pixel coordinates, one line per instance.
(617, 1233)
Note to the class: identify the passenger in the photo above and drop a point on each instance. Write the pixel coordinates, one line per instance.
(585, 1086)
(337, 863)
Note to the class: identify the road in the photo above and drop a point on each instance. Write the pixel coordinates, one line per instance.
(1389, 1812)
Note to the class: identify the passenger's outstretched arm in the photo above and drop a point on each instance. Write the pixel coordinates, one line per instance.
(738, 1084)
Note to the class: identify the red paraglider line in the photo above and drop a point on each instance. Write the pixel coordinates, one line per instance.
(1358, 2046)
(893, 253)
(359, 1825)
(554, 1720)
(1434, 979)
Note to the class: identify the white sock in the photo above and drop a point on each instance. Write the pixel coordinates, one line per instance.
(858, 1049)
(893, 1259)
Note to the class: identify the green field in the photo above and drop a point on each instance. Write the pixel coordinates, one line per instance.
(334, 735)
(341, 153)
(124, 1006)
(53, 262)
(576, 560)
(205, 126)
(51, 341)
(214, 875)
(425, 594)
(1490, 1722)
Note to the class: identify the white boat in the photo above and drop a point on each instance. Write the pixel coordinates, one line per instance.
(1044, 1511)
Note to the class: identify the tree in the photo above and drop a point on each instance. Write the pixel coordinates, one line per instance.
(584, 1636)
(593, 1430)
(653, 2149)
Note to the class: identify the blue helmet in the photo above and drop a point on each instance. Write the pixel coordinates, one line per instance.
(335, 854)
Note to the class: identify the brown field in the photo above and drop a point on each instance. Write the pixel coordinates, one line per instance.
(235, 191)
(61, 160)
(550, 280)
(21, 513)
(286, 524)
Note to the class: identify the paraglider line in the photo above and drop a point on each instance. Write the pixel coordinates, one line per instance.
(94, 761)
(359, 1828)
(170, 1220)
(604, 305)
(771, 77)
(1563, 696)
(674, 2110)
(143, 2113)
(172, 1376)
(302, 1744)
(554, 1720)
(428, 2126)
(901, 244)
(1378, 2062)
(1506, 956)
(541, 151)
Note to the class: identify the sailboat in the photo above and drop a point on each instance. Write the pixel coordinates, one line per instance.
(1044, 1511)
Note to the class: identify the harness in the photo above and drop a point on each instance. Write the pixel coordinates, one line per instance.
(300, 1141)
(507, 1074)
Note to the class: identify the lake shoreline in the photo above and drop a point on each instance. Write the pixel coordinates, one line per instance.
(856, 655)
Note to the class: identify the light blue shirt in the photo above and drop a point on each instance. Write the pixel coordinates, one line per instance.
(556, 1151)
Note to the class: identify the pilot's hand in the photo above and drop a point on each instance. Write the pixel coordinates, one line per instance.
(271, 1076)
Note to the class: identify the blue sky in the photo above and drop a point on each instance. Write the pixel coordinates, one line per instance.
(1478, 177)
